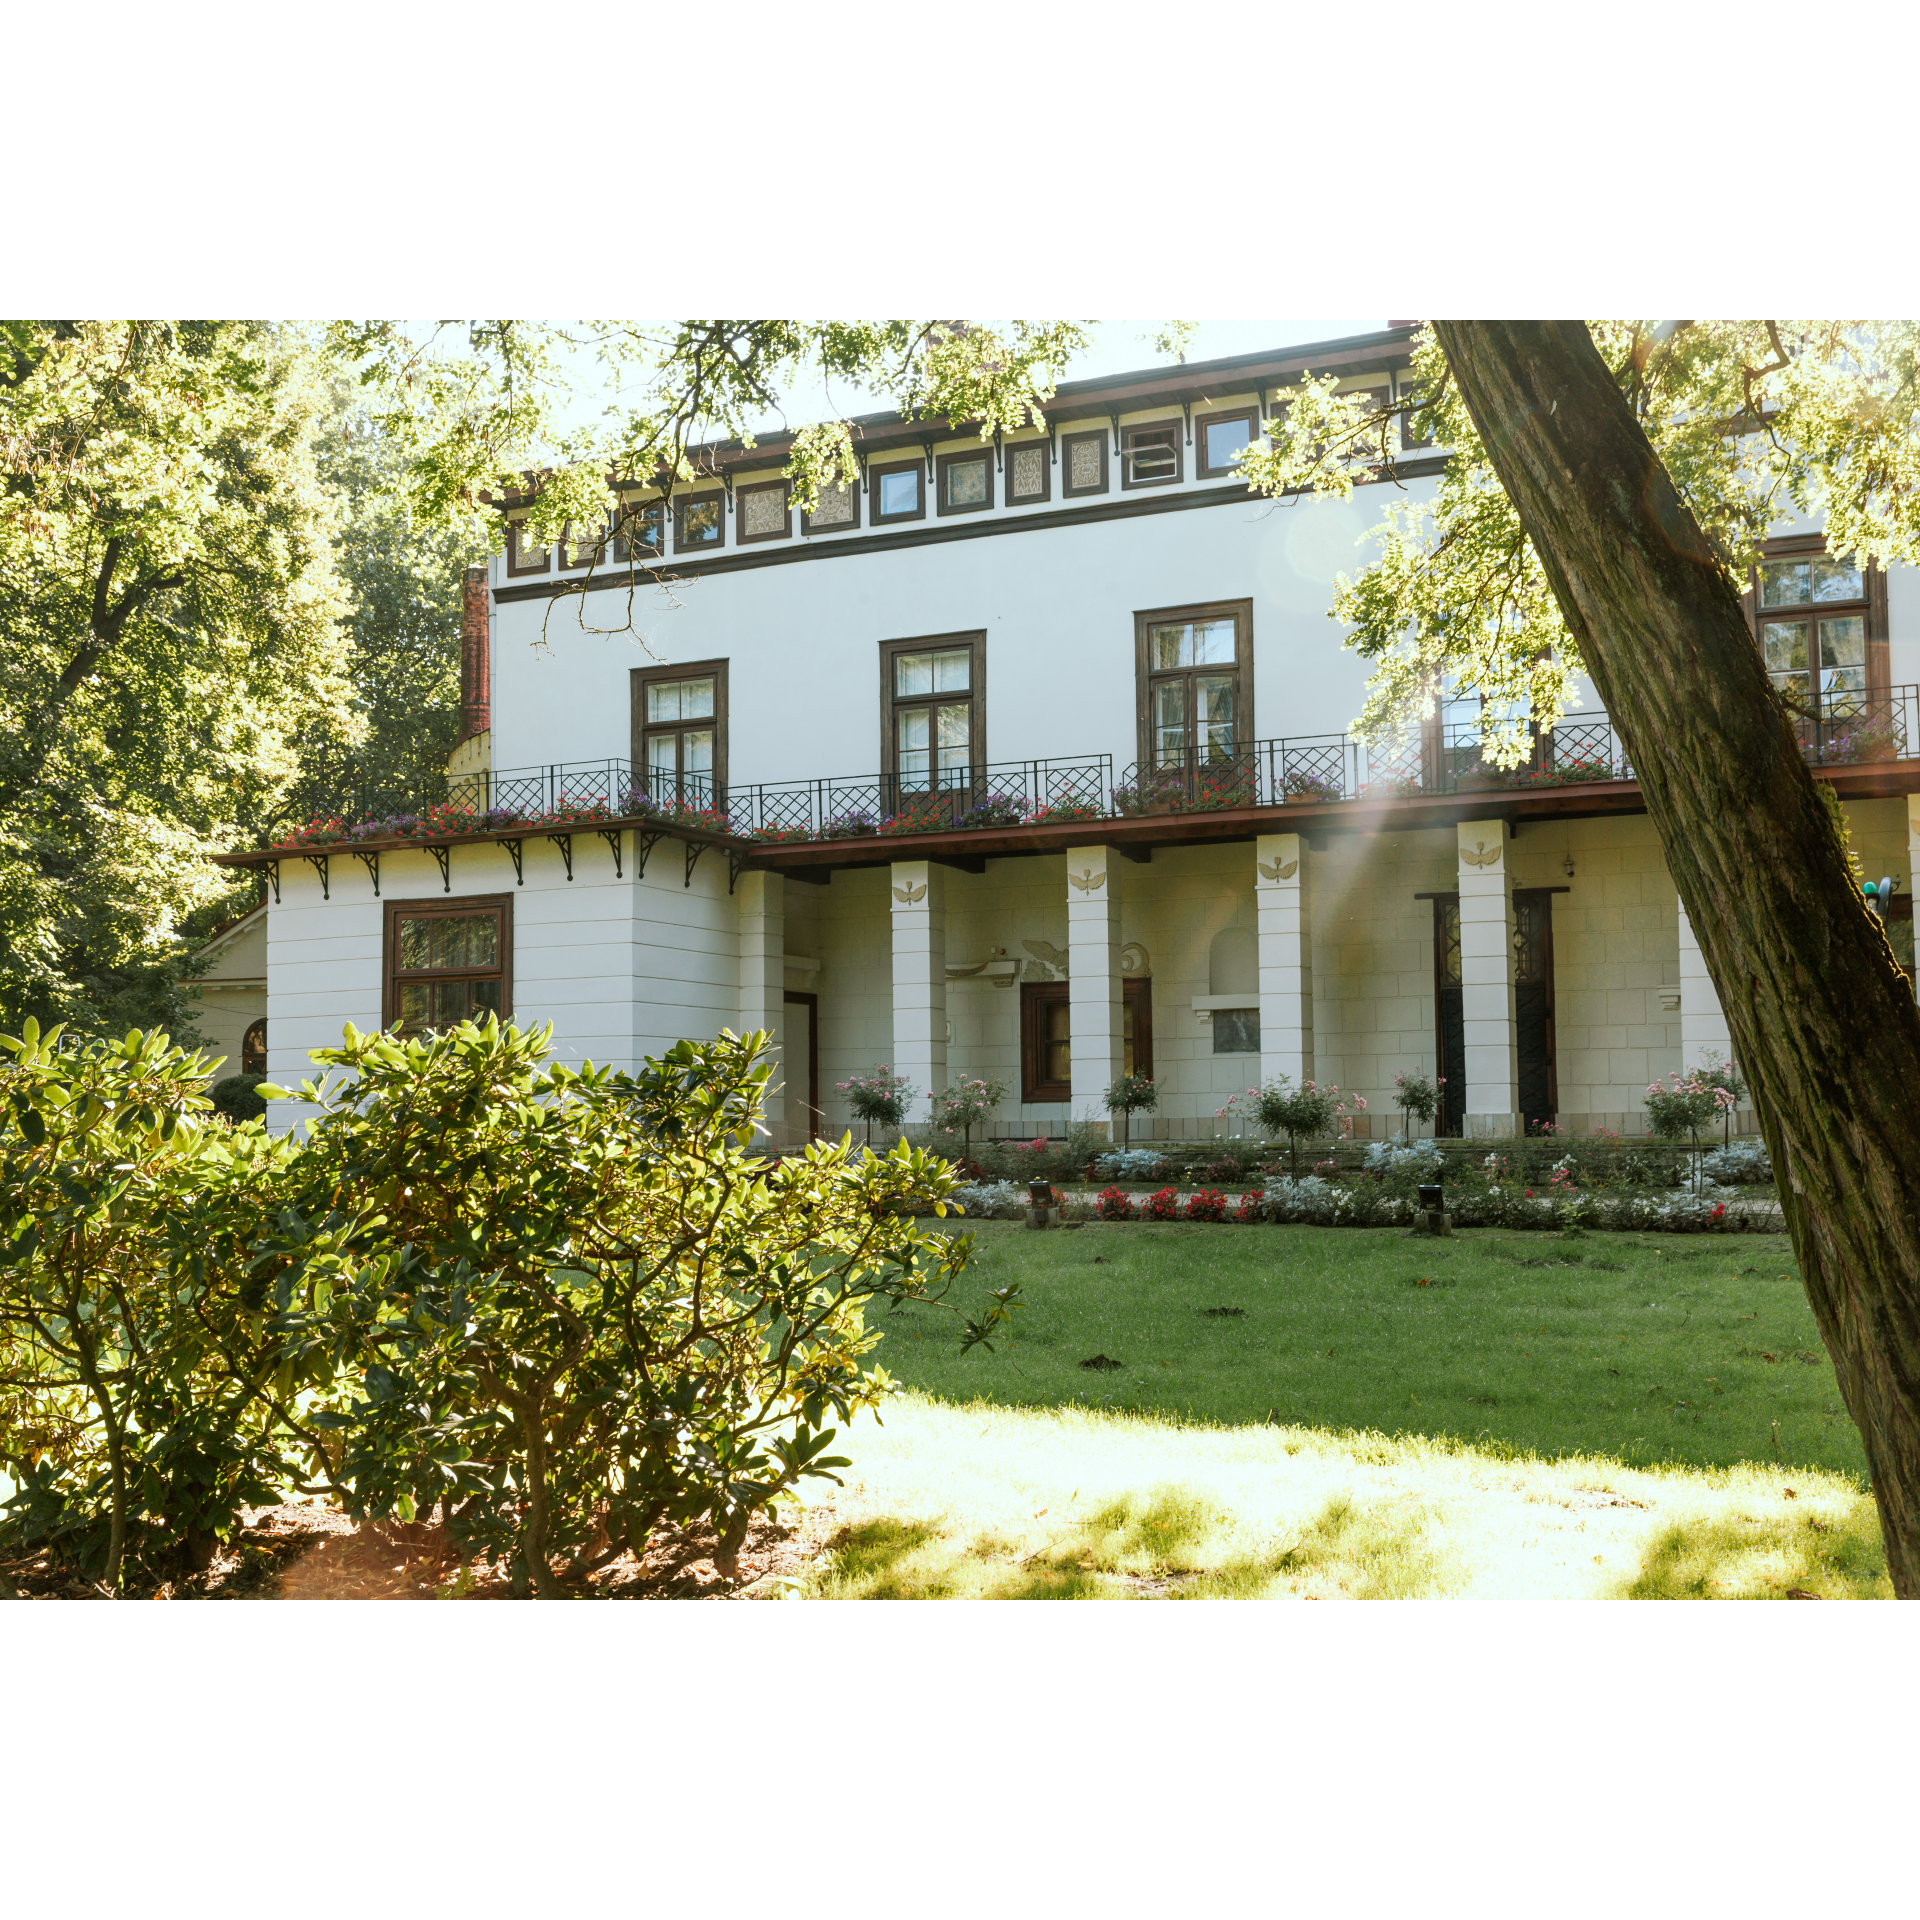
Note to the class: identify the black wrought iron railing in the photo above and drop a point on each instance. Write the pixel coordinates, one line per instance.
(1443, 758)
(1001, 793)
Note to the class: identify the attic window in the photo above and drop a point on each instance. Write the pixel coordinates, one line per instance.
(1150, 456)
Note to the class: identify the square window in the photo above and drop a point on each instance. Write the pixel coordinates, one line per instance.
(1236, 1030)
(697, 522)
(898, 492)
(965, 482)
(1223, 438)
(583, 552)
(761, 512)
(640, 535)
(1150, 456)
(1029, 473)
(947, 671)
(522, 558)
(1084, 456)
(839, 510)
(448, 961)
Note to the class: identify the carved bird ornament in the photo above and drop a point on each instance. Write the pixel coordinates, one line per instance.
(1481, 856)
(1277, 872)
(1087, 880)
(910, 894)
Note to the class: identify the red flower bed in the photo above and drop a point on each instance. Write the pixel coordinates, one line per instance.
(1164, 1205)
(1208, 1204)
(1113, 1204)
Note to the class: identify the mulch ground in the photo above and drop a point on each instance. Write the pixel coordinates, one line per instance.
(317, 1553)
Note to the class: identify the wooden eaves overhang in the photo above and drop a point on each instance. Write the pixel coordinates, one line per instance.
(1101, 398)
(969, 848)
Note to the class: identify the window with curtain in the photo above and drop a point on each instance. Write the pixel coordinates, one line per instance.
(448, 962)
(1192, 688)
(1813, 616)
(933, 696)
(680, 717)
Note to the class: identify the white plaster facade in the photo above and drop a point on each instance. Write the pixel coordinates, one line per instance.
(1327, 933)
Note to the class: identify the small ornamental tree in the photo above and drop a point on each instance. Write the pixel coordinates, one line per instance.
(1306, 1112)
(1417, 1097)
(967, 1104)
(878, 1094)
(1132, 1093)
(600, 1314)
(1679, 1107)
(1718, 1073)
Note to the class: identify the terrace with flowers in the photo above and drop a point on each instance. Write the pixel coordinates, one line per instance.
(1319, 783)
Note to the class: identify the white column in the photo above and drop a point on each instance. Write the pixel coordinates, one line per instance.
(1093, 973)
(1284, 911)
(1703, 1027)
(919, 981)
(1486, 980)
(760, 902)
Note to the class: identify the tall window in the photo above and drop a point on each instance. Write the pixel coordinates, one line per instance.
(1816, 622)
(679, 726)
(448, 961)
(934, 710)
(1046, 1038)
(1194, 696)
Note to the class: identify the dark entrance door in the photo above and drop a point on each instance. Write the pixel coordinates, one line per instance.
(1449, 1024)
(803, 1009)
(1533, 1006)
(1539, 1090)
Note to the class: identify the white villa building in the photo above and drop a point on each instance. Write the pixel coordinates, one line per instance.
(1027, 759)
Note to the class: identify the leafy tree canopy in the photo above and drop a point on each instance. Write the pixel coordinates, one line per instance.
(1757, 421)
(479, 406)
(169, 601)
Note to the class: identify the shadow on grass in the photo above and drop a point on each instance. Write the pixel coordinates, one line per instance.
(1168, 1542)
(1766, 1557)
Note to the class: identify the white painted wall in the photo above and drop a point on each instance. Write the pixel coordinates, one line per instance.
(802, 640)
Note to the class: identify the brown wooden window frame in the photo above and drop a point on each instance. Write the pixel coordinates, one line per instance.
(518, 567)
(445, 906)
(682, 503)
(876, 475)
(253, 1046)
(1046, 474)
(807, 528)
(639, 679)
(1135, 993)
(1251, 415)
(742, 538)
(891, 703)
(1145, 677)
(635, 513)
(944, 463)
(573, 557)
(1873, 606)
(1127, 450)
(1068, 441)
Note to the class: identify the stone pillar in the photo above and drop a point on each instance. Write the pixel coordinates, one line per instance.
(1093, 973)
(760, 902)
(1284, 911)
(919, 981)
(1703, 1027)
(1486, 980)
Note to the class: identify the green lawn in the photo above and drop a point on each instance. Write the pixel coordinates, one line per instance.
(1694, 1350)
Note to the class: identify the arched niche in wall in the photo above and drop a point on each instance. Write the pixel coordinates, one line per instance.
(1233, 963)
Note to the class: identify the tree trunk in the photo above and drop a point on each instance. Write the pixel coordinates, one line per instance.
(1823, 1023)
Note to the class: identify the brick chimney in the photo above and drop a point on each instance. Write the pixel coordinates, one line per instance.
(476, 662)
